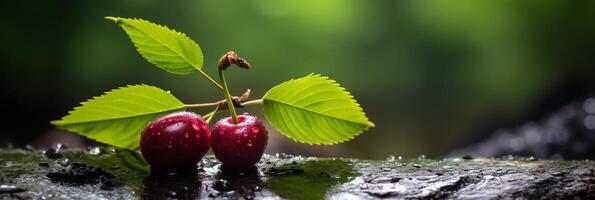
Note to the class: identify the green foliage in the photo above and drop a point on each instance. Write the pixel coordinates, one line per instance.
(168, 49)
(314, 110)
(118, 117)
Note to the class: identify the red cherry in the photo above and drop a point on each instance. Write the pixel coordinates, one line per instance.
(239, 146)
(175, 142)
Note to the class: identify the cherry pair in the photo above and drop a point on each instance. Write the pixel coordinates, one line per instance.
(176, 142)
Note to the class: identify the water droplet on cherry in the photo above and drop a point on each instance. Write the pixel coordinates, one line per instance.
(175, 134)
(195, 126)
(239, 146)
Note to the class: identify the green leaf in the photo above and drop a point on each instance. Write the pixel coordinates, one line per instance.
(314, 110)
(119, 116)
(168, 49)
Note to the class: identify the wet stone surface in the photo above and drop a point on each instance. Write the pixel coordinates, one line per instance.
(106, 173)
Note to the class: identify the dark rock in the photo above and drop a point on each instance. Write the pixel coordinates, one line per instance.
(222, 185)
(568, 133)
(109, 176)
(81, 174)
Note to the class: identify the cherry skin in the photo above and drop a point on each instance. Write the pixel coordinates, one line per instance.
(175, 142)
(239, 146)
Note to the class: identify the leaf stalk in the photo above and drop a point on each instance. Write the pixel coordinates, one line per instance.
(211, 80)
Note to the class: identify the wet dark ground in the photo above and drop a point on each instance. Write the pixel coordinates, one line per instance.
(107, 173)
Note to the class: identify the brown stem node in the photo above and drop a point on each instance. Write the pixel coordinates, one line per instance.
(237, 101)
(230, 58)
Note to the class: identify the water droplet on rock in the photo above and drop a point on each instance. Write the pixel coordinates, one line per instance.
(95, 151)
(29, 147)
(421, 157)
(390, 158)
(64, 162)
(172, 194)
(557, 173)
(60, 146)
(53, 154)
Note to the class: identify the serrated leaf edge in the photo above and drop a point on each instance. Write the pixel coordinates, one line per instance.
(367, 125)
(120, 20)
(62, 123)
(351, 98)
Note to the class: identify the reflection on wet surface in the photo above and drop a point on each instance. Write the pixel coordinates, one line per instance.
(310, 179)
(244, 185)
(181, 185)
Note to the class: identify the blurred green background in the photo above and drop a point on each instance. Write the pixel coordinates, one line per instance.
(432, 75)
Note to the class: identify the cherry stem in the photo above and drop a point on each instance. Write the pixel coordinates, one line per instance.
(232, 108)
(211, 115)
(211, 80)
